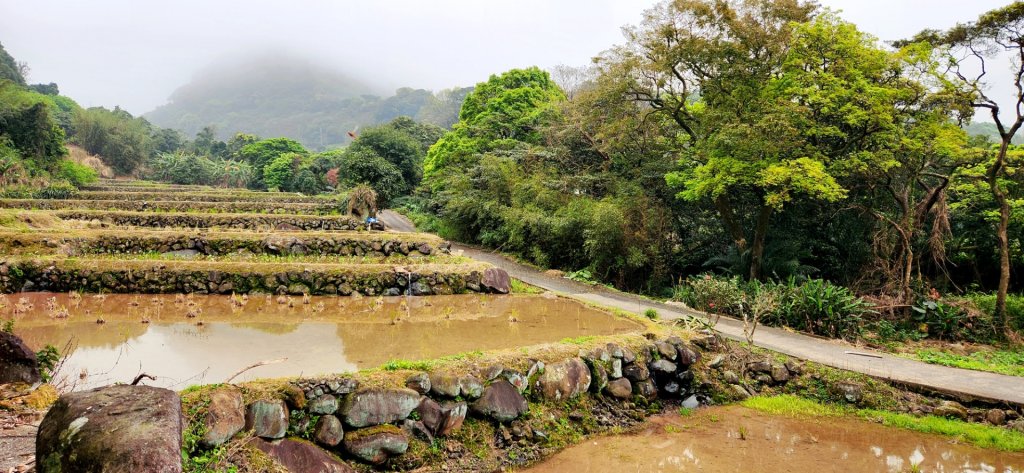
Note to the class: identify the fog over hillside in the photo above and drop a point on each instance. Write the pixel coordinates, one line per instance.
(280, 94)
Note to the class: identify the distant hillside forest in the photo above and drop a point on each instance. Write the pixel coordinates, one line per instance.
(282, 96)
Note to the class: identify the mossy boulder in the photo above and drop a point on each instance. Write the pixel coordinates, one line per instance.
(367, 407)
(301, 457)
(225, 416)
(376, 444)
(500, 401)
(112, 429)
(267, 418)
(564, 380)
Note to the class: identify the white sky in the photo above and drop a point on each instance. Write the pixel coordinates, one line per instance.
(134, 53)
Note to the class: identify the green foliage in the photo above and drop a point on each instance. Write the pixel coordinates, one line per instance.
(123, 141)
(507, 108)
(1010, 362)
(262, 153)
(278, 173)
(27, 123)
(403, 365)
(986, 303)
(520, 287)
(947, 322)
(366, 167)
(814, 305)
(396, 147)
(651, 314)
(185, 168)
(713, 294)
(10, 70)
(8, 326)
(56, 190)
(78, 175)
(48, 358)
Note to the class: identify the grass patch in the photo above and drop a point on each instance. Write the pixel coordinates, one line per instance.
(519, 287)
(1010, 362)
(984, 436)
(794, 406)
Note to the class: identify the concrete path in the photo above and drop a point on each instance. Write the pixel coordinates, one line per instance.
(962, 383)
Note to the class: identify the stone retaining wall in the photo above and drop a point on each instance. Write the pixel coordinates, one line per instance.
(165, 277)
(204, 196)
(270, 207)
(238, 221)
(226, 244)
(496, 412)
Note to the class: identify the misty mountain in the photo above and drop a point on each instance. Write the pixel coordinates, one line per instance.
(988, 129)
(274, 96)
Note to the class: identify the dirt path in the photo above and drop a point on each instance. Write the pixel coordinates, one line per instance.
(964, 383)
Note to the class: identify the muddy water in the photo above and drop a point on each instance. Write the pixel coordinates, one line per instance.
(205, 339)
(736, 439)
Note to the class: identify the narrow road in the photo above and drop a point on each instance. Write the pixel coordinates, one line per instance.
(963, 383)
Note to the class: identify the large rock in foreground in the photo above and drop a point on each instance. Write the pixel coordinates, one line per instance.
(18, 363)
(496, 280)
(376, 444)
(369, 407)
(564, 380)
(225, 416)
(112, 429)
(301, 457)
(501, 401)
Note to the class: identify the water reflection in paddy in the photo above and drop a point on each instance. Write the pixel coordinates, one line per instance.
(205, 339)
(736, 439)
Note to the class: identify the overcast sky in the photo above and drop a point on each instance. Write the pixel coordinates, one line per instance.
(134, 53)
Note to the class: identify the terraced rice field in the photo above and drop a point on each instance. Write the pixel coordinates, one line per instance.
(140, 237)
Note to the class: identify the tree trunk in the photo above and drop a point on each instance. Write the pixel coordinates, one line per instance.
(1002, 238)
(757, 247)
(730, 223)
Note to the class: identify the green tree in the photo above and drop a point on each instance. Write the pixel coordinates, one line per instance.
(363, 166)
(261, 153)
(395, 146)
(976, 45)
(278, 173)
(510, 107)
(123, 141)
(10, 69)
(27, 121)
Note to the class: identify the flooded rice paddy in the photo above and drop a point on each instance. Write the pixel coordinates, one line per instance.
(737, 439)
(205, 339)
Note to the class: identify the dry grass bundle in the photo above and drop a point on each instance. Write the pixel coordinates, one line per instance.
(83, 157)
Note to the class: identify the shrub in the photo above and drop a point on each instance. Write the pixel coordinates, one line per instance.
(56, 190)
(823, 308)
(77, 174)
(278, 173)
(986, 303)
(949, 322)
(713, 294)
(651, 314)
(814, 306)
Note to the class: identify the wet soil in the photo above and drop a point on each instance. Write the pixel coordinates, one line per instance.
(205, 339)
(737, 439)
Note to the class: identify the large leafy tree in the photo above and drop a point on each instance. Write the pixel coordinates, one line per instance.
(396, 147)
(706, 66)
(369, 168)
(261, 153)
(27, 121)
(974, 47)
(509, 108)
